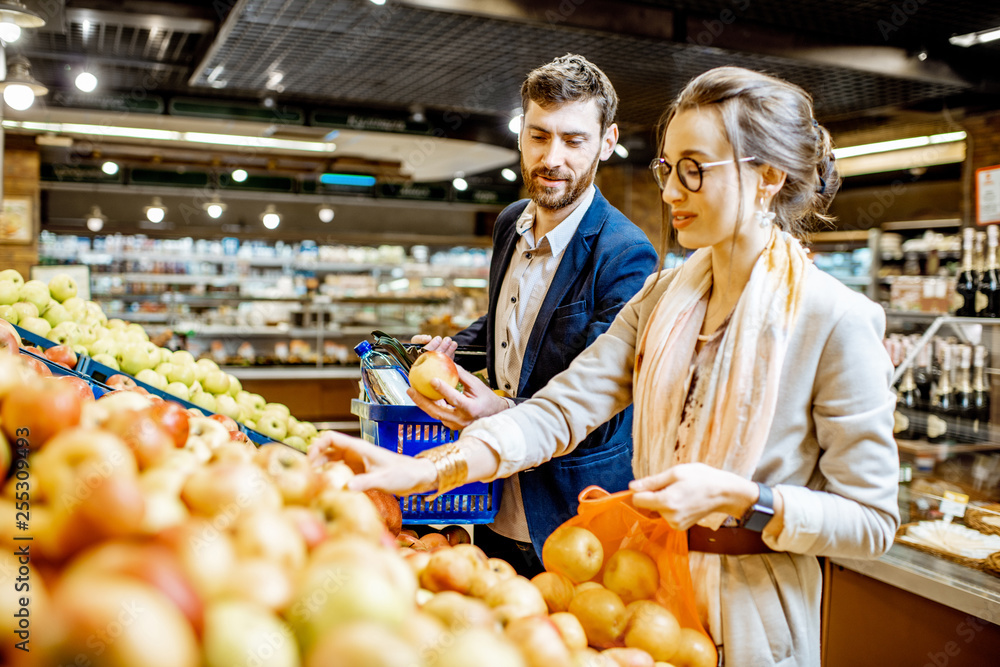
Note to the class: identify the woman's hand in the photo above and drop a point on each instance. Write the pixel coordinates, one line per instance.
(459, 409)
(374, 467)
(444, 345)
(686, 493)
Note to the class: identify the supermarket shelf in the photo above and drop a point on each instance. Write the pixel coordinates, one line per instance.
(913, 315)
(854, 281)
(902, 225)
(919, 447)
(181, 279)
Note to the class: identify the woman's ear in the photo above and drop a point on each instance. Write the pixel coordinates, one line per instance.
(771, 180)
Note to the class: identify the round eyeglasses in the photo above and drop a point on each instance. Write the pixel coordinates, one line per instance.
(690, 172)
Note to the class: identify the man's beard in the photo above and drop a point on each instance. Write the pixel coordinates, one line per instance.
(549, 198)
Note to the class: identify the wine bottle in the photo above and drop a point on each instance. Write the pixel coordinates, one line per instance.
(988, 291)
(964, 414)
(980, 395)
(907, 415)
(965, 288)
(922, 376)
(941, 420)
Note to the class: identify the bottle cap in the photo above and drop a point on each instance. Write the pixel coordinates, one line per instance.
(363, 348)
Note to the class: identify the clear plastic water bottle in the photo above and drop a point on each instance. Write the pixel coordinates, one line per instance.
(384, 381)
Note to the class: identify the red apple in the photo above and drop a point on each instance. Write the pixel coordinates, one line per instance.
(174, 419)
(36, 365)
(291, 472)
(456, 535)
(435, 540)
(308, 522)
(121, 382)
(144, 435)
(62, 354)
(81, 386)
(230, 486)
(387, 506)
(41, 409)
(429, 365)
(228, 422)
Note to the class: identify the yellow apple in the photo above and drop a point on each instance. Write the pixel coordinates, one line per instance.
(239, 632)
(362, 643)
(695, 650)
(602, 615)
(652, 628)
(629, 657)
(482, 648)
(458, 612)
(557, 590)
(428, 366)
(574, 552)
(539, 640)
(515, 598)
(632, 575)
(569, 627)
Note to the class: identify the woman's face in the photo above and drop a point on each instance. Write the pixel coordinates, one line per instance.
(707, 217)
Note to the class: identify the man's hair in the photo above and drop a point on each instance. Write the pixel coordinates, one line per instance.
(571, 78)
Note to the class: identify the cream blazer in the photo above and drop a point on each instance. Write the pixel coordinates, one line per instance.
(830, 452)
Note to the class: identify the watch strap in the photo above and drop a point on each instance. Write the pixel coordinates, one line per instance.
(761, 511)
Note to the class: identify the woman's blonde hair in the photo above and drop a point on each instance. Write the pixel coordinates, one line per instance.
(772, 120)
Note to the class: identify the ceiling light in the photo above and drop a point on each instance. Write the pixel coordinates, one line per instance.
(621, 151)
(156, 211)
(95, 219)
(973, 38)
(515, 123)
(274, 80)
(14, 11)
(240, 175)
(378, 2)
(898, 144)
(19, 87)
(9, 32)
(509, 174)
(110, 168)
(214, 208)
(460, 184)
(270, 217)
(86, 82)
(325, 214)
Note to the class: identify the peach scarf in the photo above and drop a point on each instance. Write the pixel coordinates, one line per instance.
(735, 413)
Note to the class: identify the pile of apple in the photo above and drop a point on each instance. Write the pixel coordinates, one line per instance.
(563, 617)
(55, 312)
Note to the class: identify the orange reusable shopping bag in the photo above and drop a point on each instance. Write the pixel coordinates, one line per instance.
(618, 524)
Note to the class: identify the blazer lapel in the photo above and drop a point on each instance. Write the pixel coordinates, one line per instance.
(570, 268)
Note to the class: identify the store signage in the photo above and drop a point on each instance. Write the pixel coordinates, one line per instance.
(369, 122)
(124, 102)
(988, 195)
(280, 114)
(954, 504)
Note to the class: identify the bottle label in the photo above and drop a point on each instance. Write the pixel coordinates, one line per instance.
(901, 422)
(982, 302)
(957, 302)
(936, 427)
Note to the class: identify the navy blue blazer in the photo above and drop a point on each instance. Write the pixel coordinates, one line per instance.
(604, 265)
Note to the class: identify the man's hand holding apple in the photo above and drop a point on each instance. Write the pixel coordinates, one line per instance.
(458, 409)
(444, 345)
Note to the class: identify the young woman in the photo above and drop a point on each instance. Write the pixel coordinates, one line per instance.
(763, 409)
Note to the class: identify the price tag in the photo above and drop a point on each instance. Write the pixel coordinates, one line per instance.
(953, 505)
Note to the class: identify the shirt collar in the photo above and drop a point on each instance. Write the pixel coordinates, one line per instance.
(559, 237)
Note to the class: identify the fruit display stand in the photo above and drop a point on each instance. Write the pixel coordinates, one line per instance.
(409, 430)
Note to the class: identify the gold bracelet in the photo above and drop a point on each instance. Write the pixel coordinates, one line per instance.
(450, 464)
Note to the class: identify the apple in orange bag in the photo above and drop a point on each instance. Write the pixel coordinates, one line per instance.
(429, 365)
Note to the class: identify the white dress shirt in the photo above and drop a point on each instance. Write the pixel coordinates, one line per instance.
(527, 281)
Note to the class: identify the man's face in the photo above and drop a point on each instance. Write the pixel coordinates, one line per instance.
(560, 149)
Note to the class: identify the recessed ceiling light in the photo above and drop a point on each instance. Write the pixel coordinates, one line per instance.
(621, 151)
(509, 174)
(156, 211)
(110, 168)
(95, 219)
(325, 214)
(270, 217)
(240, 175)
(460, 184)
(973, 38)
(898, 144)
(86, 82)
(9, 32)
(515, 124)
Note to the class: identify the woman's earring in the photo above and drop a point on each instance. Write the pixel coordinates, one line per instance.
(763, 217)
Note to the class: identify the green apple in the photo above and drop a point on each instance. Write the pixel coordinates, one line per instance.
(234, 385)
(152, 378)
(296, 442)
(115, 323)
(10, 292)
(8, 313)
(37, 293)
(135, 357)
(104, 345)
(205, 366)
(251, 402)
(76, 307)
(95, 314)
(215, 382)
(272, 425)
(235, 629)
(62, 287)
(180, 373)
(107, 360)
(12, 275)
(277, 407)
(87, 334)
(178, 389)
(204, 400)
(304, 430)
(227, 405)
(36, 325)
(250, 423)
(55, 313)
(183, 357)
(81, 350)
(25, 310)
(64, 333)
(136, 331)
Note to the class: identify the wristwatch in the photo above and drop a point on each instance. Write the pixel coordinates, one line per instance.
(761, 511)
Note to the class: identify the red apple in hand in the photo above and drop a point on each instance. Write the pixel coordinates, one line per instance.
(429, 365)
